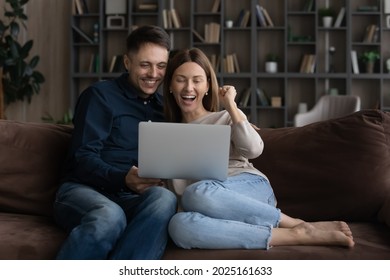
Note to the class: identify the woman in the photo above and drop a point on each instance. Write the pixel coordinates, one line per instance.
(239, 212)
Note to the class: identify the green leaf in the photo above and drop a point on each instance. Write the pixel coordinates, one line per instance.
(25, 50)
(39, 78)
(14, 29)
(34, 61)
(9, 14)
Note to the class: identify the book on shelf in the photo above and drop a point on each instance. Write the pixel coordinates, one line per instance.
(175, 18)
(267, 17)
(368, 8)
(375, 38)
(74, 8)
(308, 63)
(167, 19)
(229, 64)
(236, 64)
(244, 98)
(369, 34)
(303, 63)
(243, 18)
(213, 61)
(262, 97)
(112, 64)
(215, 6)
(340, 17)
(94, 63)
(212, 32)
(80, 7)
(116, 64)
(260, 16)
(276, 101)
(83, 34)
(354, 60)
(85, 6)
(147, 7)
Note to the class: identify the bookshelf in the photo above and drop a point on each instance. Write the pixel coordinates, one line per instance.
(288, 29)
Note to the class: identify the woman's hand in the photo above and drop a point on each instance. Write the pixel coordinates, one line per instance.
(138, 184)
(227, 94)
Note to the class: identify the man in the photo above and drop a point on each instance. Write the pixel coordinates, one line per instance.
(109, 211)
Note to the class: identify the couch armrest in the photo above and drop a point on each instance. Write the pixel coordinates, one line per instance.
(384, 213)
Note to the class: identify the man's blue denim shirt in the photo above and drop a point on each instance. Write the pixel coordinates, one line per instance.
(105, 137)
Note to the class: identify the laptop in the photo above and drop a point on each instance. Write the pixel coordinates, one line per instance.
(183, 151)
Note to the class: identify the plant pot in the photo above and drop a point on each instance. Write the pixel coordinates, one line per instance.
(327, 21)
(271, 67)
(370, 66)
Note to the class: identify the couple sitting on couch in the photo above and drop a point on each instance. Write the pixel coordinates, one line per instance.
(111, 213)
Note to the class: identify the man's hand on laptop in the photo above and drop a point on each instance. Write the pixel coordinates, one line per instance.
(138, 184)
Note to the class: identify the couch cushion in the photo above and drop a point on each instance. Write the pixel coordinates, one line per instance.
(31, 158)
(29, 237)
(335, 169)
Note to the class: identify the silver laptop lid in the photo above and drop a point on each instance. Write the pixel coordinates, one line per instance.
(183, 151)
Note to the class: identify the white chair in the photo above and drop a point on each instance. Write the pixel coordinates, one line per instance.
(329, 107)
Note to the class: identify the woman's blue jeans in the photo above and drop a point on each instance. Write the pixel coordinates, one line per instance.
(237, 213)
(113, 226)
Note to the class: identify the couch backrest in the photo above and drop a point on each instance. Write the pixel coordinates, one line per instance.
(335, 169)
(31, 158)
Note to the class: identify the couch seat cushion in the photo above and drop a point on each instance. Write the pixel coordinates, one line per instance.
(29, 237)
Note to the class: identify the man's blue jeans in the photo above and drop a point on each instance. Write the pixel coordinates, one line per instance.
(113, 226)
(239, 212)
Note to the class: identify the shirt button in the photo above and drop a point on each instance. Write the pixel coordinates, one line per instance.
(145, 102)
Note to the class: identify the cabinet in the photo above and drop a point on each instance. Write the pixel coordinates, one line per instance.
(296, 32)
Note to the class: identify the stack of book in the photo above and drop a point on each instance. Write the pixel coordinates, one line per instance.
(171, 19)
(212, 32)
(263, 18)
(372, 34)
(230, 64)
(308, 63)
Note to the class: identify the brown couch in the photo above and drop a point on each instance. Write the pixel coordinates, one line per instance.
(333, 170)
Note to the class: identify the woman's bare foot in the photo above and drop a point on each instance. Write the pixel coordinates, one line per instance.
(307, 234)
(333, 225)
(289, 222)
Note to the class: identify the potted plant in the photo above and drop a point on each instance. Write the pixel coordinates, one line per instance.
(18, 79)
(271, 63)
(369, 58)
(327, 15)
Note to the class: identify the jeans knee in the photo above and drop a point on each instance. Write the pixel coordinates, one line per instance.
(109, 219)
(177, 229)
(163, 200)
(196, 195)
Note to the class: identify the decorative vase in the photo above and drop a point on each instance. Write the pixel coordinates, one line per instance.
(271, 67)
(327, 21)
